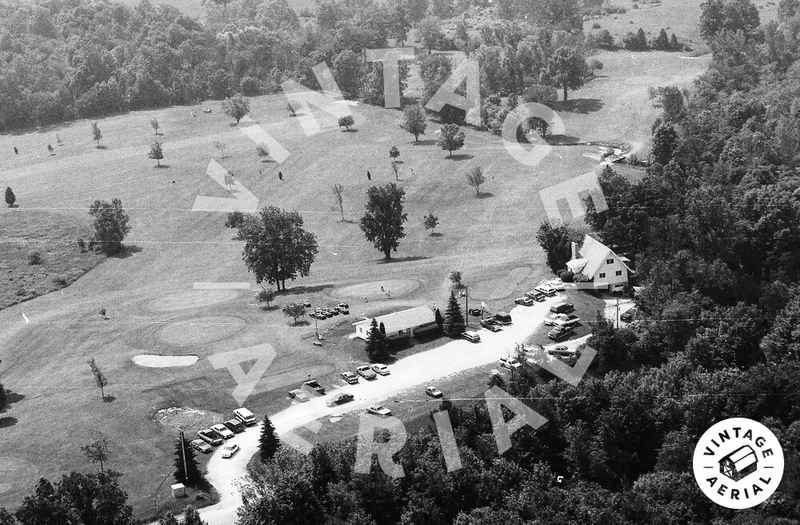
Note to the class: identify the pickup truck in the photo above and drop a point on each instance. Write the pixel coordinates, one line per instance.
(314, 385)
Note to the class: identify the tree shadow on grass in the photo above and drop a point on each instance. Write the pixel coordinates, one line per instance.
(101, 147)
(461, 156)
(580, 105)
(425, 142)
(351, 130)
(127, 251)
(302, 322)
(161, 167)
(436, 234)
(11, 398)
(109, 399)
(265, 308)
(298, 290)
(485, 195)
(410, 258)
(562, 140)
(6, 422)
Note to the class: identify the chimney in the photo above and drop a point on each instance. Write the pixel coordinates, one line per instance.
(574, 251)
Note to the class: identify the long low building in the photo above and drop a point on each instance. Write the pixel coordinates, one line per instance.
(399, 324)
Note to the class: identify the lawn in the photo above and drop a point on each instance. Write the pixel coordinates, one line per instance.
(149, 297)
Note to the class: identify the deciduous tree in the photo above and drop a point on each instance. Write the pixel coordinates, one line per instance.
(110, 225)
(294, 310)
(475, 179)
(382, 223)
(277, 247)
(415, 120)
(451, 138)
(156, 153)
(236, 107)
(10, 197)
(97, 449)
(100, 378)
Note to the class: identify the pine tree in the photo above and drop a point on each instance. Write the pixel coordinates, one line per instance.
(268, 443)
(192, 475)
(192, 517)
(454, 324)
(376, 342)
(10, 197)
(439, 319)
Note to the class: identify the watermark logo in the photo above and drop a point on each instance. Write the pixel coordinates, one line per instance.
(738, 463)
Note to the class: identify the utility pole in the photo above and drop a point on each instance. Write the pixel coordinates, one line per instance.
(466, 305)
(183, 455)
(617, 312)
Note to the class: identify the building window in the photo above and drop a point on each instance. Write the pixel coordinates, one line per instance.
(619, 272)
(609, 261)
(602, 276)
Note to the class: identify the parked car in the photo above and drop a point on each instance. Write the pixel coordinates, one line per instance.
(433, 391)
(228, 451)
(342, 398)
(491, 324)
(343, 305)
(343, 311)
(313, 315)
(307, 304)
(560, 333)
(333, 311)
(536, 295)
(235, 426)
(477, 312)
(503, 318)
(315, 386)
(379, 410)
(366, 372)
(471, 336)
(562, 308)
(510, 362)
(556, 284)
(545, 289)
(201, 446)
(524, 301)
(245, 416)
(628, 316)
(350, 377)
(381, 369)
(210, 437)
(298, 395)
(567, 320)
(222, 431)
(562, 351)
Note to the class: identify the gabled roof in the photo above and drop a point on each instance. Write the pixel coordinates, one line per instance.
(596, 253)
(404, 319)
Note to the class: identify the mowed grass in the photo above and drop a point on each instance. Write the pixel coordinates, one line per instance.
(149, 295)
(54, 237)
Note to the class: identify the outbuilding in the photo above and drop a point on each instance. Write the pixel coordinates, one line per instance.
(404, 323)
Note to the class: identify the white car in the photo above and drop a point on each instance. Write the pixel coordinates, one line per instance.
(381, 369)
(298, 395)
(471, 336)
(223, 431)
(228, 451)
(510, 362)
(379, 410)
(433, 391)
(556, 284)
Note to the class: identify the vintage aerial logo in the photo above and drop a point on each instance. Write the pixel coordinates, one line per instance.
(738, 463)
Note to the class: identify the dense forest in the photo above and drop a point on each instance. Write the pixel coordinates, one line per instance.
(66, 59)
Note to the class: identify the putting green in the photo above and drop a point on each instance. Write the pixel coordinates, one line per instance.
(200, 330)
(378, 289)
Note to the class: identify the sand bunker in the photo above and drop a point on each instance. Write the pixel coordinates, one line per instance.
(164, 361)
(200, 330)
(378, 289)
(191, 299)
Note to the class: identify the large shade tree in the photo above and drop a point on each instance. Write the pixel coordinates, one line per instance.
(382, 223)
(277, 247)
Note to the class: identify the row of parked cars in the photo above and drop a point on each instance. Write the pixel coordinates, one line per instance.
(540, 293)
(326, 312)
(216, 435)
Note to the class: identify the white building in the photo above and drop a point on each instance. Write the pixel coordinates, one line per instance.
(399, 324)
(597, 267)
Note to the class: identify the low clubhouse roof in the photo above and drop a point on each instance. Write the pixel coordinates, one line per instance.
(404, 319)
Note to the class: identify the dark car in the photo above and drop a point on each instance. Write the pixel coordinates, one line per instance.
(491, 324)
(503, 318)
(477, 312)
(628, 316)
(315, 386)
(235, 425)
(562, 308)
(340, 399)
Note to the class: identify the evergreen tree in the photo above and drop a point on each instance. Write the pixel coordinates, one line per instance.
(439, 319)
(454, 324)
(376, 342)
(10, 197)
(192, 517)
(268, 443)
(191, 475)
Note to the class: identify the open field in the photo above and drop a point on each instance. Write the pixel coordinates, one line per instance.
(153, 308)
